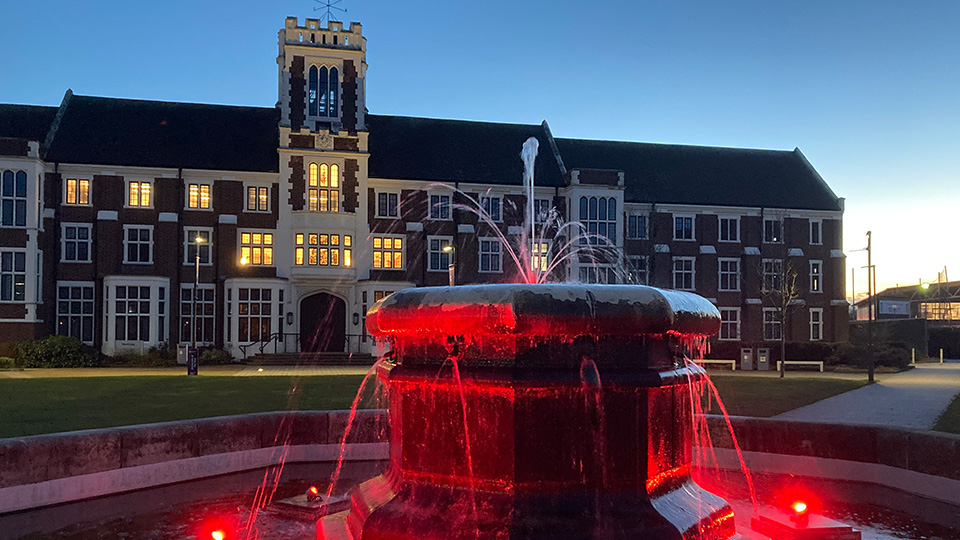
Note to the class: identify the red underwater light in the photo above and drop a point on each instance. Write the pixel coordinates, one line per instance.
(218, 534)
(313, 494)
(800, 515)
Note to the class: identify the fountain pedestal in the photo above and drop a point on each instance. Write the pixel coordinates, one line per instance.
(538, 411)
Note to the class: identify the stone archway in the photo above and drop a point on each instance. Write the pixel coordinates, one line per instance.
(323, 323)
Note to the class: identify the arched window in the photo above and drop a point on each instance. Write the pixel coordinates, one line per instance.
(313, 193)
(323, 92)
(334, 92)
(312, 96)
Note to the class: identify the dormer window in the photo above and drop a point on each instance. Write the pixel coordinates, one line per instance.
(323, 97)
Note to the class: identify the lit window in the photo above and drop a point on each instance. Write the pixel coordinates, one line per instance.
(599, 217)
(320, 249)
(139, 194)
(13, 198)
(323, 193)
(78, 191)
(256, 248)
(258, 199)
(490, 255)
(387, 252)
(540, 258)
(198, 196)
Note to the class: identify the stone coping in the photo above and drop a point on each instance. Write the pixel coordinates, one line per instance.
(926, 452)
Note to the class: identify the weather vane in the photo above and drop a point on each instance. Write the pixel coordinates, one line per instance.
(328, 6)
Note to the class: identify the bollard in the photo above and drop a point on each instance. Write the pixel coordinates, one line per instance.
(913, 356)
(941, 356)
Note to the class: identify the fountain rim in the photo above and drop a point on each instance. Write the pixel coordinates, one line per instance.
(540, 310)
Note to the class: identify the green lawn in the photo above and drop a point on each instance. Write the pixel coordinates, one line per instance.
(950, 420)
(768, 396)
(48, 405)
(34, 406)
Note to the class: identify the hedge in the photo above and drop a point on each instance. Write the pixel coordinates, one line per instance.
(55, 352)
(852, 354)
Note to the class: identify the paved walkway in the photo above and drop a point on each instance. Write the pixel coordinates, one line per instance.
(222, 371)
(913, 399)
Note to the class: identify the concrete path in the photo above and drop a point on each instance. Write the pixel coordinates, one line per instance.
(212, 371)
(913, 399)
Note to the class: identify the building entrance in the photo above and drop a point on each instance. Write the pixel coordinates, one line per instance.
(323, 323)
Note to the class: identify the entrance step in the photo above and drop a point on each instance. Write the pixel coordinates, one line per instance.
(311, 359)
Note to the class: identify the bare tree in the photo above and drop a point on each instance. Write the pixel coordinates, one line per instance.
(780, 291)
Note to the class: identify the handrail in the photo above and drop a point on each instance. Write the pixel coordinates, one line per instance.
(352, 342)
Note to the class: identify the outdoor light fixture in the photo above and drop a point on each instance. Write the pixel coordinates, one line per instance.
(356, 319)
(313, 494)
(452, 267)
(800, 515)
(289, 318)
(218, 535)
(244, 261)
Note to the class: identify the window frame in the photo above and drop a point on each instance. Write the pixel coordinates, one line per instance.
(439, 206)
(606, 223)
(692, 271)
(721, 273)
(782, 226)
(490, 254)
(78, 180)
(92, 316)
(126, 241)
(304, 247)
(540, 259)
(188, 241)
(646, 229)
(188, 317)
(720, 229)
(13, 273)
(486, 203)
(818, 324)
(775, 323)
(17, 203)
(693, 227)
(776, 280)
(442, 239)
(632, 268)
(819, 228)
(64, 240)
(608, 270)
(543, 215)
(258, 187)
(199, 207)
(387, 192)
(725, 324)
(261, 245)
(382, 250)
(818, 275)
(315, 188)
(152, 196)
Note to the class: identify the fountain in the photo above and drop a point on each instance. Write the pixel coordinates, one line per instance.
(538, 411)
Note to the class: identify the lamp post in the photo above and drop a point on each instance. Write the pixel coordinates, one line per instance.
(872, 288)
(452, 267)
(193, 360)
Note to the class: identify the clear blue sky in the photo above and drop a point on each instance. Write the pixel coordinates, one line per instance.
(869, 90)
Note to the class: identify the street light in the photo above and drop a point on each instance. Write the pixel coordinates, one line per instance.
(191, 366)
(452, 267)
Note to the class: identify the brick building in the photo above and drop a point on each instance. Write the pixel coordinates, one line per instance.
(312, 210)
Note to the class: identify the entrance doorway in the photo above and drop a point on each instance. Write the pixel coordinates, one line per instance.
(323, 323)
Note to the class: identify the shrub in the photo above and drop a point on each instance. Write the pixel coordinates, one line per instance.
(211, 357)
(894, 355)
(155, 357)
(7, 363)
(55, 352)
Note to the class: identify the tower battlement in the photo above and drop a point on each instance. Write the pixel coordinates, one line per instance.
(329, 34)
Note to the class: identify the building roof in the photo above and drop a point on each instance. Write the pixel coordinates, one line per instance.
(109, 131)
(407, 148)
(26, 121)
(947, 290)
(681, 174)
(117, 132)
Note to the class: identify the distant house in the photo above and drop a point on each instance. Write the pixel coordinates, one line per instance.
(311, 211)
(935, 302)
